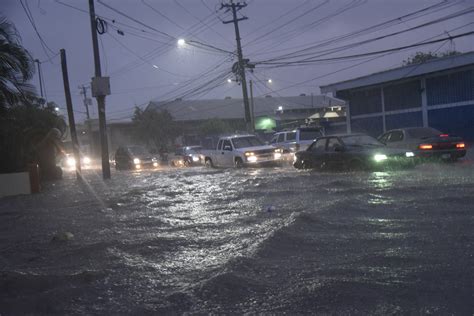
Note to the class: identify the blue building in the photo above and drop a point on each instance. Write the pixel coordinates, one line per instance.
(438, 93)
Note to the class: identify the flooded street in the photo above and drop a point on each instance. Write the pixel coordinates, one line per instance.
(273, 240)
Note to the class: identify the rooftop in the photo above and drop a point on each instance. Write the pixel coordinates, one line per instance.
(191, 110)
(433, 65)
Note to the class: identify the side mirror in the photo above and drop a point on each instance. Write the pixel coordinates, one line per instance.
(228, 148)
(339, 148)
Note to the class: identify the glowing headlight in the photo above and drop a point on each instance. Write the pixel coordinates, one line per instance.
(86, 160)
(252, 159)
(249, 153)
(277, 155)
(380, 157)
(195, 158)
(409, 154)
(155, 164)
(137, 166)
(136, 161)
(70, 161)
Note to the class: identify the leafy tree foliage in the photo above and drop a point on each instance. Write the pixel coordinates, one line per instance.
(156, 127)
(421, 57)
(16, 67)
(214, 127)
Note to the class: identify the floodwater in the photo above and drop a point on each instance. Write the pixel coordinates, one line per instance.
(272, 241)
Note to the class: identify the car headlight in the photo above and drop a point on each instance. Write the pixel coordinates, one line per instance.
(249, 153)
(155, 164)
(70, 161)
(380, 157)
(409, 154)
(252, 158)
(86, 160)
(136, 161)
(277, 155)
(195, 158)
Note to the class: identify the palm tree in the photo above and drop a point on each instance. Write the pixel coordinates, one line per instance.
(16, 66)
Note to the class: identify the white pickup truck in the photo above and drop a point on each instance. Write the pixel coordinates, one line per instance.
(240, 151)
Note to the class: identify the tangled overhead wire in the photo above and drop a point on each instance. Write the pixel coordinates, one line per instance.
(101, 25)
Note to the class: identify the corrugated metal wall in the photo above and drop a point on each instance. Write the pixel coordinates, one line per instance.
(363, 101)
(403, 120)
(456, 120)
(402, 96)
(371, 125)
(451, 88)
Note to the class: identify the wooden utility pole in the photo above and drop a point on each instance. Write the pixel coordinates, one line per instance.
(70, 114)
(252, 106)
(241, 63)
(100, 88)
(84, 99)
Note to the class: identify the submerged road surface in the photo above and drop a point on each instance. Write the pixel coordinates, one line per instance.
(271, 241)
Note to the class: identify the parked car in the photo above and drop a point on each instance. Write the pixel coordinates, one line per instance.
(296, 139)
(241, 150)
(425, 142)
(187, 156)
(134, 157)
(349, 152)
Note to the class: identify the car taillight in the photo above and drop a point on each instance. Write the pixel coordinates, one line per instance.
(444, 135)
(460, 145)
(425, 146)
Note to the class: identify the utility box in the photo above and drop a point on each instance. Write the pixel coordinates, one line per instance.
(100, 86)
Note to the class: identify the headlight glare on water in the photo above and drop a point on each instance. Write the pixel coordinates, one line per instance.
(380, 157)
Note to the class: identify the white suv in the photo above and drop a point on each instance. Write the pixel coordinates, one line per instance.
(297, 139)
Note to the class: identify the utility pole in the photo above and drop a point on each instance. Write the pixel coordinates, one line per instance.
(70, 114)
(252, 106)
(84, 99)
(39, 76)
(100, 88)
(240, 69)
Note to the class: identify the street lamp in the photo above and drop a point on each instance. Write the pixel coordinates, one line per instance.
(181, 42)
(229, 80)
(269, 81)
(56, 109)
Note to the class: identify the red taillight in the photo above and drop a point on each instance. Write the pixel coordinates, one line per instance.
(426, 146)
(460, 145)
(444, 135)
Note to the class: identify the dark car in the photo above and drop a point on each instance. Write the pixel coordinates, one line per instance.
(425, 142)
(134, 157)
(348, 152)
(187, 156)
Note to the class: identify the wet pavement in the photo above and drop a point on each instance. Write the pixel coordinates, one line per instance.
(272, 241)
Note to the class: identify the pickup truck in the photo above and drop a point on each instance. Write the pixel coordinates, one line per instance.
(239, 151)
(297, 139)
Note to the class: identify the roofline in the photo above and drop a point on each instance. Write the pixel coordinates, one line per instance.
(332, 87)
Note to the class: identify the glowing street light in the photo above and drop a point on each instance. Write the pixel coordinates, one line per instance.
(56, 109)
(181, 42)
(229, 80)
(269, 81)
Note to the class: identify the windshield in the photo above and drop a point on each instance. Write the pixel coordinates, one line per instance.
(138, 151)
(243, 142)
(311, 134)
(360, 140)
(423, 132)
(193, 150)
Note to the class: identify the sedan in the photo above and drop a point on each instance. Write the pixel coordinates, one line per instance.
(134, 157)
(426, 142)
(187, 156)
(349, 152)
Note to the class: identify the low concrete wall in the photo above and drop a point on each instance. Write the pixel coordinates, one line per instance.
(14, 183)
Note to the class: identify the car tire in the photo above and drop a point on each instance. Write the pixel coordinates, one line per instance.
(208, 163)
(238, 163)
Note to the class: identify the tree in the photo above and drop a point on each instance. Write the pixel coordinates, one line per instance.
(16, 66)
(214, 127)
(155, 126)
(421, 57)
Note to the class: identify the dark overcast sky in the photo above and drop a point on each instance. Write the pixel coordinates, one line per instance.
(130, 60)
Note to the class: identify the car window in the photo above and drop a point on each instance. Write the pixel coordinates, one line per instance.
(219, 145)
(227, 145)
(290, 136)
(309, 134)
(319, 145)
(274, 139)
(423, 132)
(395, 136)
(249, 141)
(384, 137)
(332, 143)
(281, 138)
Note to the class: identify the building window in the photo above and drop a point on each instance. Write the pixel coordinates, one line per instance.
(402, 96)
(451, 88)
